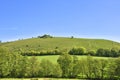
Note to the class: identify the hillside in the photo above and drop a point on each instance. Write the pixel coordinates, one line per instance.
(60, 43)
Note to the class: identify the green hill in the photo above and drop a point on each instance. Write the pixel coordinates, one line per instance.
(60, 43)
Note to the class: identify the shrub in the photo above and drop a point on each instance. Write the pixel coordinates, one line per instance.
(100, 52)
(91, 52)
(77, 51)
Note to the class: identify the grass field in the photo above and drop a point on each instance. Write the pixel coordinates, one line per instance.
(61, 43)
(38, 79)
(54, 58)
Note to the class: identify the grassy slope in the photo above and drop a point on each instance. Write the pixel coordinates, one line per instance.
(61, 43)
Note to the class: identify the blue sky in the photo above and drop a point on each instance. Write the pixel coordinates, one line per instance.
(79, 18)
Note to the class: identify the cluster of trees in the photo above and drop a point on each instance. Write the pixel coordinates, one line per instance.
(45, 36)
(75, 51)
(41, 53)
(89, 68)
(17, 66)
(100, 52)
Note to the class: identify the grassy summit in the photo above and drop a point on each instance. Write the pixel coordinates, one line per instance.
(61, 43)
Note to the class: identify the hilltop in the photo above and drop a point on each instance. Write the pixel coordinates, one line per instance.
(61, 43)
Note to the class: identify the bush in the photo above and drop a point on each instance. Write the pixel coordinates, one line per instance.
(77, 51)
(114, 52)
(91, 52)
(100, 52)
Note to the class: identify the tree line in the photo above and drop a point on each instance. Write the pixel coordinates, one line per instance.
(113, 52)
(14, 65)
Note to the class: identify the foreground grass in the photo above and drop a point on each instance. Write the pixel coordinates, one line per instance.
(38, 79)
(53, 58)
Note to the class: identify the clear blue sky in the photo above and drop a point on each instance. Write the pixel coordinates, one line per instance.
(79, 18)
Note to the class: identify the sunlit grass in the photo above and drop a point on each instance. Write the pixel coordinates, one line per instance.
(53, 58)
(38, 44)
(37, 79)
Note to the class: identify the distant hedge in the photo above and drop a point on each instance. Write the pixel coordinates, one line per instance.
(41, 53)
(100, 52)
(76, 51)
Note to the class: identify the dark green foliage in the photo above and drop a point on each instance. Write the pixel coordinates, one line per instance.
(72, 37)
(100, 52)
(108, 52)
(114, 52)
(91, 52)
(74, 51)
(56, 47)
(77, 51)
(41, 53)
(45, 36)
(27, 46)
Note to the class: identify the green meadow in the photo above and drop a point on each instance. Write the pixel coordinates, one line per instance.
(61, 43)
(39, 79)
(53, 58)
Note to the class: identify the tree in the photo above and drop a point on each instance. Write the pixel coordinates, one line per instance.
(77, 51)
(81, 51)
(114, 52)
(107, 53)
(88, 67)
(65, 61)
(5, 62)
(57, 72)
(100, 52)
(117, 70)
(46, 68)
(96, 69)
(72, 37)
(103, 68)
(9, 63)
(73, 51)
(91, 52)
(111, 69)
(33, 67)
(76, 69)
(23, 67)
(45, 36)
(16, 65)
